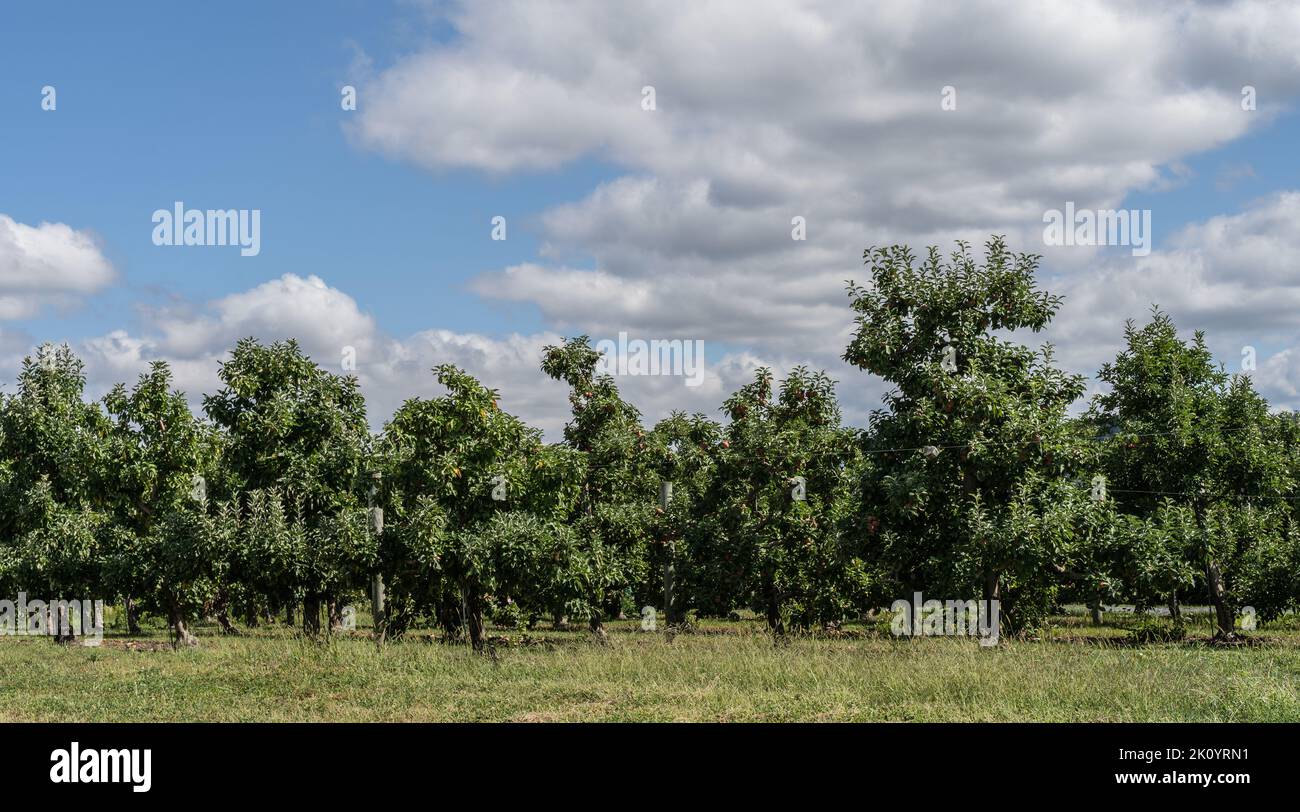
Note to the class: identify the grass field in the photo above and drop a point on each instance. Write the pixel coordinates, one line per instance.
(724, 671)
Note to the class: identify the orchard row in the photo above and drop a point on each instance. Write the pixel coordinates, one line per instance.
(974, 481)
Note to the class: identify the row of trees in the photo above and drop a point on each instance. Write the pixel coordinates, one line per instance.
(975, 480)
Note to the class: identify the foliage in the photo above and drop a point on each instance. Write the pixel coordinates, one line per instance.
(970, 483)
(164, 551)
(53, 447)
(973, 481)
(296, 433)
(614, 517)
(475, 500)
(777, 493)
(1198, 453)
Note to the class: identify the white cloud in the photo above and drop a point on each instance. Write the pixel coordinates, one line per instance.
(323, 319)
(193, 339)
(1234, 276)
(825, 110)
(1230, 274)
(50, 263)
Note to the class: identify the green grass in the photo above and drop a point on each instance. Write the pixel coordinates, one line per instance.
(726, 671)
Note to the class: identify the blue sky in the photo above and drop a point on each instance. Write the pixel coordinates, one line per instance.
(236, 105)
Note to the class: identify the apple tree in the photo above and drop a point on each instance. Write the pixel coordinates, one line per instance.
(159, 455)
(615, 514)
(779, 491)
(970, 489)
(685, 450)
(474, 509)
(52, 511)
(297, 433)
(1193, 449)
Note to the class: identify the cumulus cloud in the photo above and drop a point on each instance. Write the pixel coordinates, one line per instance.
(327, 322)
(829, 111)
(194, 337)
(766, 111)
(49, 263)
(1233, 276)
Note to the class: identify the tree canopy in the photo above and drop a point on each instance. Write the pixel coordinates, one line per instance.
(983, 476)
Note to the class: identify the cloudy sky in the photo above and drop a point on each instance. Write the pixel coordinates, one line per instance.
(877, 123)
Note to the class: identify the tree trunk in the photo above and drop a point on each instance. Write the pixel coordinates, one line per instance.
(181, 635)
(670, 590)
(311, 615)
(992, 592)
(452, 618)
(1222, 612)
(288, 615)
(474, 622)
(335, 608)
(1214, 582)
(773, 605)
(559, 622)
(598, 628)
(670, 565)
(63, 632)
(1175, 611)
(223, 614)
(1095, 607)
(132, 619)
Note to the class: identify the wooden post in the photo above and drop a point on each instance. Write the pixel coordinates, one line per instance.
(670, 572)
(377, 581)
